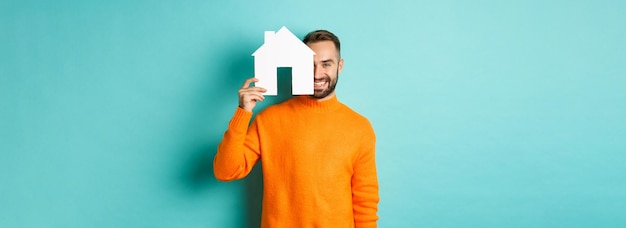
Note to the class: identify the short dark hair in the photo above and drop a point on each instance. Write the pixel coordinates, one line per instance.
(322, 35)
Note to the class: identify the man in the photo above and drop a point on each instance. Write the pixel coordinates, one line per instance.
(318, 155)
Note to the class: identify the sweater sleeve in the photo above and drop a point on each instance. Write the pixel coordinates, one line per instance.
(365, 185)
(239, 149)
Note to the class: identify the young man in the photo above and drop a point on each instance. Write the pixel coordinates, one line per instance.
(318, 155)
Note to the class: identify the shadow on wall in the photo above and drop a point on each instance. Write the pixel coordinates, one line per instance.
(217, 111)
(212, 112)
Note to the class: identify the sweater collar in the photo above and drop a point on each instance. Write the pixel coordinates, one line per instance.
(320, 106)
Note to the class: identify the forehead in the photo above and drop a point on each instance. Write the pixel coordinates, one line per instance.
(324, 49)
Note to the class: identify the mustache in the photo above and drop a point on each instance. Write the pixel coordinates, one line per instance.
(325, 78)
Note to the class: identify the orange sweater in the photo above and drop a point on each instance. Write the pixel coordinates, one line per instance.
(318, 161)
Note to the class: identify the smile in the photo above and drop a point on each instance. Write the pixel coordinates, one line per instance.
(319, 84)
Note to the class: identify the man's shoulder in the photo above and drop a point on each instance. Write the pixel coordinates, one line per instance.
(356, 116)
(350, 111)
(358, 123)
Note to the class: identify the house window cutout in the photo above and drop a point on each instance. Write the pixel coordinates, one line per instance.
(284, 49)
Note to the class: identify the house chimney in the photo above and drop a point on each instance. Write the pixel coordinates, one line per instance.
(269, 36)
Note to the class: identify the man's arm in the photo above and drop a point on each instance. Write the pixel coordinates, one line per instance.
(365, 184)
(239, 149)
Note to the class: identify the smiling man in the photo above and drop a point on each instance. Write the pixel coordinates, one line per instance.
(318, 155)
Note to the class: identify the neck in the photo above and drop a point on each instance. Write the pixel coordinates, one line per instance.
(330, 96)
(326, 104)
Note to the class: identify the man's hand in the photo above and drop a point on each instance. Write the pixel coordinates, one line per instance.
(248, 96)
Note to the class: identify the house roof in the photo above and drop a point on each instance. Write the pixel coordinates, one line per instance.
(283, 40)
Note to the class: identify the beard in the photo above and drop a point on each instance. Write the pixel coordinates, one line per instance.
(322, 93)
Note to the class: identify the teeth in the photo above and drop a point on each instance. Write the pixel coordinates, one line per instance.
(319, 83)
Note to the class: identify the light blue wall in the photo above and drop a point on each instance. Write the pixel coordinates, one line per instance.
(488, 113)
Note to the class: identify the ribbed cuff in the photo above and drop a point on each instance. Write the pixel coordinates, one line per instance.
(365, 224)
(240, 120)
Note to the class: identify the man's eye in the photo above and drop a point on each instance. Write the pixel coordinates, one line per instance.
(326, 65)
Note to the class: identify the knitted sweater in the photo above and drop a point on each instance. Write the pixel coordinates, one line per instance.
(318, 161)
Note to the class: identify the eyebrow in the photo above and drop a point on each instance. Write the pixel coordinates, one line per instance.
(328, 61)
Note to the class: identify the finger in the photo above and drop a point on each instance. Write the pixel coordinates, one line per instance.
(254, 98)
(251, 93)
(258, 98)
(247, 93)
(247, 83)
(253, 90)
(257, 89)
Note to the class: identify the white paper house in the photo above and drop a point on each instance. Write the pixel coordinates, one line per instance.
(284, 49)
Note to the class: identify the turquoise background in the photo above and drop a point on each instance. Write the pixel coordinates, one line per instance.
(487, 113)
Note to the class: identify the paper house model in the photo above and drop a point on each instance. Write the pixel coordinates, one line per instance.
(284, 49)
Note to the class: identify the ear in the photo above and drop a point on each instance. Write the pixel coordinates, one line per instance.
(340, 66)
